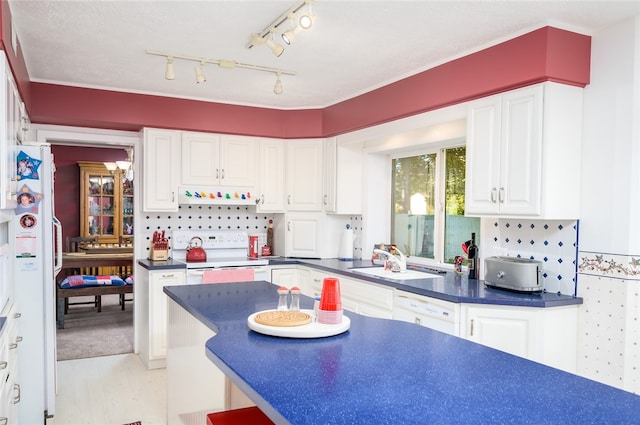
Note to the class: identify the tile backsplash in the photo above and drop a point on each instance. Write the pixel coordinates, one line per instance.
(554, 242)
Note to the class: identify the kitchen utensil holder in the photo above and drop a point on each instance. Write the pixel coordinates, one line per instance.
(156, 254)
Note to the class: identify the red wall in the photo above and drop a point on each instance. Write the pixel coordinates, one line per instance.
(67, 181)
(546, 54)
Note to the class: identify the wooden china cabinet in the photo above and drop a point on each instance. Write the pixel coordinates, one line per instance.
(106, 205)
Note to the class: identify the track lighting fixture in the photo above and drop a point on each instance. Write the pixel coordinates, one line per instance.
(200, 78)
(169, 74)
(276, 49)
(222, 63)
(298, 19)
(277, 89)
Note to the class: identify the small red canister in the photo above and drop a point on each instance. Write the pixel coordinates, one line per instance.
(253, 247)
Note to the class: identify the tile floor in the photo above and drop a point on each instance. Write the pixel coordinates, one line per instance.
(112, 390)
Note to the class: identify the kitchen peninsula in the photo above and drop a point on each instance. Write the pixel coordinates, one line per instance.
(385, 371)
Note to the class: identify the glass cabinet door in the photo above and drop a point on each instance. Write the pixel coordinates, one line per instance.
(106, 204)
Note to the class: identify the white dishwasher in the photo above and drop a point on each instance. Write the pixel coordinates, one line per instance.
(443, 316)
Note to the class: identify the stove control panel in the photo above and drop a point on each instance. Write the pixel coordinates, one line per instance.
(211, 239)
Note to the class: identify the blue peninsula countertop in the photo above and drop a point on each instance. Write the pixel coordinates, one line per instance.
(388, 372)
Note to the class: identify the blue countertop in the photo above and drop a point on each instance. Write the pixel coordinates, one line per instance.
(454, 288)
(388, 372)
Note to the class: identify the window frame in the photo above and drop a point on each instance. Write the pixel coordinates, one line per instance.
(439, 223)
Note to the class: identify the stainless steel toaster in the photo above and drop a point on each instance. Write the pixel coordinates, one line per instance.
(517, 274)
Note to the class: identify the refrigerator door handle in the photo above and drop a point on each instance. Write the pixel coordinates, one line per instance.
(57, 265)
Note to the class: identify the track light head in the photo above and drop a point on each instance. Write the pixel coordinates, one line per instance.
(306, 20)
(200, 78)
(276, 49)
(277, 89)
(169, 74)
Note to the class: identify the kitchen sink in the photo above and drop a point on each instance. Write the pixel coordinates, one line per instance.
(388, 274)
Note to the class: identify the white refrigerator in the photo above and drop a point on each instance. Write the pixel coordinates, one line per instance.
(38, 258)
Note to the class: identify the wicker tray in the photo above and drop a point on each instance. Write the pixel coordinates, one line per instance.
(312, 329)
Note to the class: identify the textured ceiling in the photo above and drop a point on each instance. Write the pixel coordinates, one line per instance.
(353, 47)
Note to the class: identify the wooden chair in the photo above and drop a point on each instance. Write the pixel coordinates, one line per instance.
(75, 244)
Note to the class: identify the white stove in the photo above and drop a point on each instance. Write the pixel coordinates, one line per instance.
(224, 248)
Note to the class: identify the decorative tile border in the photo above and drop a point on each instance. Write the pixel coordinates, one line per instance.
(609, 265)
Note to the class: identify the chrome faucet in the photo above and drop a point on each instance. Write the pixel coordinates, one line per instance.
(397, 264)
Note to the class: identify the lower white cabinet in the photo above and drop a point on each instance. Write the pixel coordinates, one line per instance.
(153, 314)
(443, 316)
(544, 335)
(363, 298)
(290, 277)
(9, 383)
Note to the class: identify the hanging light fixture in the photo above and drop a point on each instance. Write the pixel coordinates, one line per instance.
(276, 49)
(222, 63)
(277, 89)
(111, 167)
(306, 20)
(126, 167)
(169, 74)
(289, 35)
(200, 78)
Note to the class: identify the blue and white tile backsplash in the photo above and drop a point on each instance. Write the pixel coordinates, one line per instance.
(554, 242)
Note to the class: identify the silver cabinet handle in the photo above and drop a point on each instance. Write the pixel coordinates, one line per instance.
(223, 174)
(3, 365)
(324, 200)
(16, 398)
(471, 331)
(418, 321)
(493, 195)
(4, 421)
(17, 315)
(289, 199)
(262, 199)
(289, 226)
(18, 339)
(13, 346)
(501, 195)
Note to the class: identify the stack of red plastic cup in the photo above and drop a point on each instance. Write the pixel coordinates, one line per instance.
(330, 309)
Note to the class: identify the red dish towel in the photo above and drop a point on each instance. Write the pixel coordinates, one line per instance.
(228, 275)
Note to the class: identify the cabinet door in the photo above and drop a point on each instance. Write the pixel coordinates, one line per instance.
(304, 175)
(521, 152)
(161, 178)
(483, 156)
(200, 159)
(238, 161)
(302, 235)
(9, 115)
(158, 310)
(507, 330)
(330, 195)
(272, 176)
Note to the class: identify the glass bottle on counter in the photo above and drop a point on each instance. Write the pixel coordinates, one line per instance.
(473, 258)
(283, 298)
(295, 299)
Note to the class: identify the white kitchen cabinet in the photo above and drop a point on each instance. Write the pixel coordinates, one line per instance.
(342, 164)
(361, 297)
(306, 235)
(304, 174)
(10, 116)
(544, 335)
(290, 277)
(153, 312)
(9, 381)
(433, 313)
(272, 167)
(523, 153)
(161, 169)
(212, 160)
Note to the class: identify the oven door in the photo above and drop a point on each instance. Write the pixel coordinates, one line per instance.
(227, 274)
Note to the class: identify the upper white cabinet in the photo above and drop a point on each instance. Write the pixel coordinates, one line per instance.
(523, 153)
(11, 115)
(304, 175)
(271, 188)
(160, 169)
(211, 159)
(342, 190)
